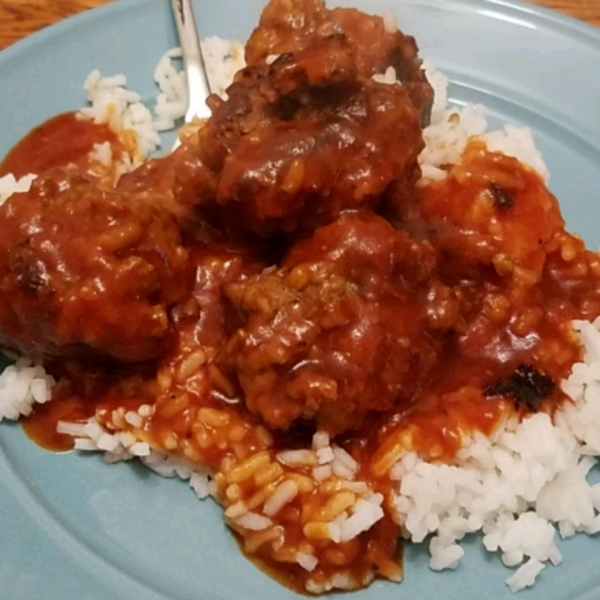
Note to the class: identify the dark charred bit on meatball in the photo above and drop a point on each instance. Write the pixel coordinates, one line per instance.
(31, 276)
(526, 386)
(502, 199)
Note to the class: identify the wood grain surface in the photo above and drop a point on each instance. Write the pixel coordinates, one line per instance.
(19, 18)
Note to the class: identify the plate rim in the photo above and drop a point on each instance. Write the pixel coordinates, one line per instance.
(543, 15)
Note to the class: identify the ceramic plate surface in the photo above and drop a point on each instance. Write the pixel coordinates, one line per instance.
(73, 528)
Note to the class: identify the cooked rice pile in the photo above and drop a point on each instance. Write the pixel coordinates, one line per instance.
(110, 102)
(21, 386)
(516, 487)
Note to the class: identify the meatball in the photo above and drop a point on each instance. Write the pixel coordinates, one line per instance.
(498, 231)
(336, 334)
(289, 26)
(309, 130)
(303, 139)
(174, 175)
(303, 174)
(87, 271)
(491, 213)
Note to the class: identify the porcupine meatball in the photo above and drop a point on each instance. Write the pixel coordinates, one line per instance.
(339, 331)
(306, 137)
(289, 26)
(88, 272)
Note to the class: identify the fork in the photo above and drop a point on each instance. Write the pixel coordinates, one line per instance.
(193, 62)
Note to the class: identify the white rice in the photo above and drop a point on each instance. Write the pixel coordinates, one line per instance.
(102, 153)
(439, 83)
(124, 446)
(111, 102)
(10, 185)
(21, 386)
(517, 142)
(339, 581)
(284, 493)
(307, 561)
(518, 487)
(389, 77)
(298, 458)
(254, 522)
(451, 129)
(389, 21)
(363, 515)
(223, 59)
(171, 102)
(349, 523)
(447, 137)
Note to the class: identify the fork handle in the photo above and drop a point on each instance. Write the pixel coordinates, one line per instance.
(198, 86)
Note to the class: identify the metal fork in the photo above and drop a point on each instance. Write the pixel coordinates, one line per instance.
(193, 62)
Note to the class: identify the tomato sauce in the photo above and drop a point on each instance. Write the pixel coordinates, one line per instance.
(62, 140)
(40, 426)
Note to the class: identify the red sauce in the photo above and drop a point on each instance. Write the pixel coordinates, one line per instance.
(60, 141)
(40, 426)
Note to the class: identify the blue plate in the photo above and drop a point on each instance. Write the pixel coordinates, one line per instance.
(73, 528)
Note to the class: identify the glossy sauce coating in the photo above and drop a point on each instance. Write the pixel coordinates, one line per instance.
(60, 141)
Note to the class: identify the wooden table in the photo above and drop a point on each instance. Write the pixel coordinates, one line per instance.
(19, 18)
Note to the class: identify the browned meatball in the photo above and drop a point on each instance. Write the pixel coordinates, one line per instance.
(303, 139)
(177, 174)
(87, 271)
(289, 26)
(337, 333)
(305, 173)
(490, 211)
